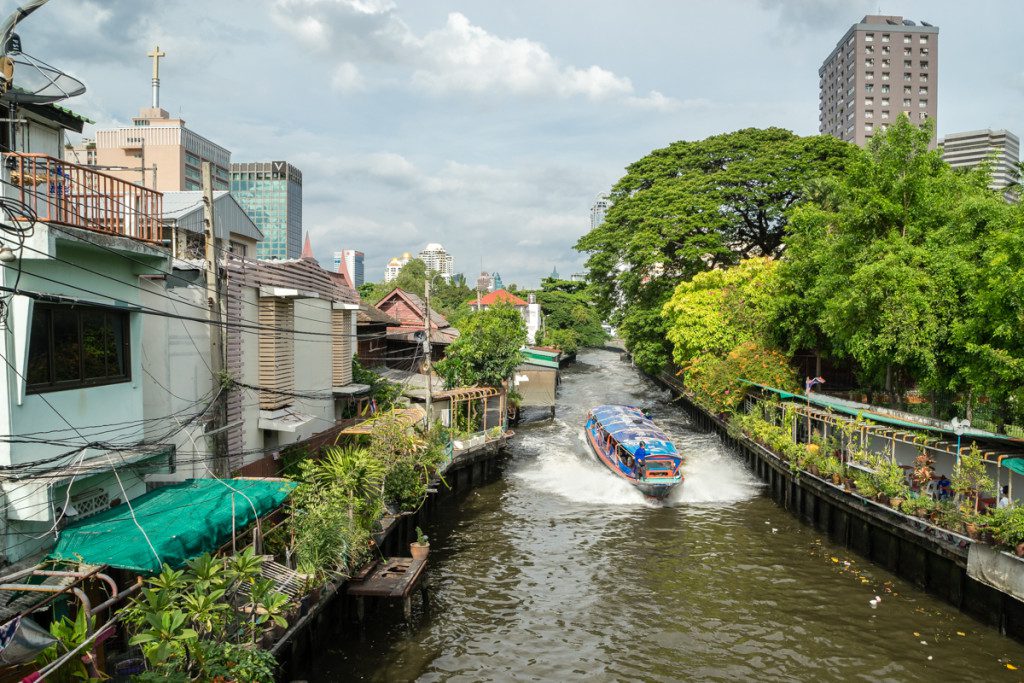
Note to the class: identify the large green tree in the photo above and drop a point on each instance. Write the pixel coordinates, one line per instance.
(571, 320)
(714, 312)
(487, 350)
(884, 262)
(693, 206)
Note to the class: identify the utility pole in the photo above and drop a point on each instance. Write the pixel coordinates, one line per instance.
(426, 346)
(216, 328)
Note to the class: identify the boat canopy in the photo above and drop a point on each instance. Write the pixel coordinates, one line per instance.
(629, 426)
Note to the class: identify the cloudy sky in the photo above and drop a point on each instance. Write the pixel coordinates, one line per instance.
(490, 126)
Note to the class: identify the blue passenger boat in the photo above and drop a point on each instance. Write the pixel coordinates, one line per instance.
(615, 433)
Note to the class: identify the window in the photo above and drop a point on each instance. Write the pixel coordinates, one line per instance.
(869, 62)
(868, 127)
(924, 115)
(906, 38)
(869, 101)
(77, 346)
(885, 88)
(869, 49)
(922, 90)
(869, 37)
(906, 101)
(885, 101)
(908, 63)
(923, 40)
(923, 78)
(924, 64)
(869, 75)
(922, 104)
(869, 87)
(886, 63)
(924, 51)
(885, 37)
(908, 50)
(885, 49)
(885, 76)
(869, 114)
(885, 115)
(906, 89)
(907, 75)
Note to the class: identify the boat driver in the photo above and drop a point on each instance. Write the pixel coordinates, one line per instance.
(640, 454)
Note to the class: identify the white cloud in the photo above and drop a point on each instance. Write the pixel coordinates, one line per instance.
(463, 57)
(459, 57)
(347, 78)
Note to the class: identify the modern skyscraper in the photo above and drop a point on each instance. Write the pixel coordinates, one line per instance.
(598, 210)
(1000, 148)
(882, 67)
(271, 193)
(353, 261)
(438, 260)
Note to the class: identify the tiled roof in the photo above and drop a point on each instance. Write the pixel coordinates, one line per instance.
(416, 303)
(498, 296)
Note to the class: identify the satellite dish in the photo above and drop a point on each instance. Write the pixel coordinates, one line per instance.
(38, 82)
(25, 79)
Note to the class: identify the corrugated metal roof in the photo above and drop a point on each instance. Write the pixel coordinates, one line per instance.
(185, 209)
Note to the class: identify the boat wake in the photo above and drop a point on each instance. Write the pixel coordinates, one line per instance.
(565, 467)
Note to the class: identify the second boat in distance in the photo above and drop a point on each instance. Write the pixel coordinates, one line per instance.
(629, 444)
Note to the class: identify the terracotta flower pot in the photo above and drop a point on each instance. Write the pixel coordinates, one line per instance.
(813, 469)
(1020, 549)
(419, 551)
(895, 503)
(882, 498)
(836, 479)
(972, 530)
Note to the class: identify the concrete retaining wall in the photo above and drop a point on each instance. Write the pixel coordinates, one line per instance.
(932, 558)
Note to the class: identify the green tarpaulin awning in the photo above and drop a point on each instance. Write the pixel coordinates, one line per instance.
(181, 521)
(1015, 464)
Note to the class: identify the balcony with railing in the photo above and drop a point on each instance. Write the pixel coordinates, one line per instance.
(80, 197)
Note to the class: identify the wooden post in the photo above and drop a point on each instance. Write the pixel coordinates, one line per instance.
(213, 293)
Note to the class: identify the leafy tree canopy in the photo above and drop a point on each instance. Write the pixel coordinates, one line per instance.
(487, 350)
(693, 206)
(570, 319)
(881, 264)
(717, 310)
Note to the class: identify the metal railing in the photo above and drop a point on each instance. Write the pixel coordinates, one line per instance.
(80, 197)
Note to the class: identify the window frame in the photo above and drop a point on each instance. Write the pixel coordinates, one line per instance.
(122, 317)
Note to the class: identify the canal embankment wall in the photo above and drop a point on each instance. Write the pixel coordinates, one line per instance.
(932, 558)
(335, 611)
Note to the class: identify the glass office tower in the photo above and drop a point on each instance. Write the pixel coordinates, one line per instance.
(271, 193)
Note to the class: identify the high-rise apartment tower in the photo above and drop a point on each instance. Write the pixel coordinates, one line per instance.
(1000, 148)
(882, 67)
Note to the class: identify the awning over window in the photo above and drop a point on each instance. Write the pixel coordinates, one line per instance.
(181, 521)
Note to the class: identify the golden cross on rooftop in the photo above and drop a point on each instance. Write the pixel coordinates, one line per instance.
(156, 54)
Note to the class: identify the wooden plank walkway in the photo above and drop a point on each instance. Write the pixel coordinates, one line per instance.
(396, 580)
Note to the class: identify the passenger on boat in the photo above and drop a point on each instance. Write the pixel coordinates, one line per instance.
(640, 455)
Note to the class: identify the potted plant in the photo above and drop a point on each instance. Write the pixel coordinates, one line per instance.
(420, 548)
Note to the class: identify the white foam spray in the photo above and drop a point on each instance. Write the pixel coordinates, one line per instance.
(565, 466)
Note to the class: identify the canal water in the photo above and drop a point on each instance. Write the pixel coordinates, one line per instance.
(559, 571)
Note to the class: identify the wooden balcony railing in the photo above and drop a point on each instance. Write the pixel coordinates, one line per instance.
(78, 196)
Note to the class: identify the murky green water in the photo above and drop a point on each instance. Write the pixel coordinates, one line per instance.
(560, 572)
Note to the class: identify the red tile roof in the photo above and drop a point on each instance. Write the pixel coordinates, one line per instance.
(498, 296)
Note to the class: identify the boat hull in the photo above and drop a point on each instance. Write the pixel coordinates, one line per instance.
(658, 489)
